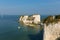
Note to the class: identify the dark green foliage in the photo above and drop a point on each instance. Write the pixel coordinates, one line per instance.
(57, 17)
(50, 19)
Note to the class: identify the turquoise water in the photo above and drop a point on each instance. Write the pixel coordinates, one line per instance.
(9, 30)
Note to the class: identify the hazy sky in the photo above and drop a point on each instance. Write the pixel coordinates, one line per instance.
(44, 7)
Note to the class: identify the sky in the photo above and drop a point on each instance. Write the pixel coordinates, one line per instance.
(22, 7)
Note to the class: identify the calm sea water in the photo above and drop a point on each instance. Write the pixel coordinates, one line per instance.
(9, 30)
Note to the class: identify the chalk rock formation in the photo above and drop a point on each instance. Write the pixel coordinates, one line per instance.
(27, 20)
(52, 28)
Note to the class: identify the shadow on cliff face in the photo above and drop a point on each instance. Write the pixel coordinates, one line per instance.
(38, 36)
(58, 38)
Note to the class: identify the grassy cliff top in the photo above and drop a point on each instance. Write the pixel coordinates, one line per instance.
(50, 19)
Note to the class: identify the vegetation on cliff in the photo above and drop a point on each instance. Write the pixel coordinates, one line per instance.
(51, 19)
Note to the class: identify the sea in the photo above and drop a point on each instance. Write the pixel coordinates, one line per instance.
(9, 29)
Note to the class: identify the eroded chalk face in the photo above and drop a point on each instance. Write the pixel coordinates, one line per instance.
(32, 20)
(52, 31)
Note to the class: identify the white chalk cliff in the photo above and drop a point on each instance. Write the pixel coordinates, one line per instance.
(52, 30)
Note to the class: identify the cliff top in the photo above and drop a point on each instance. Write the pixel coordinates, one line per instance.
(52, 19)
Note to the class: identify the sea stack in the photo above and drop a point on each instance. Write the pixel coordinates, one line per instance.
(30, 19)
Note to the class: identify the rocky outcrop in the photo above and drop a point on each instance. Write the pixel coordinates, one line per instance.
(30, 20)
